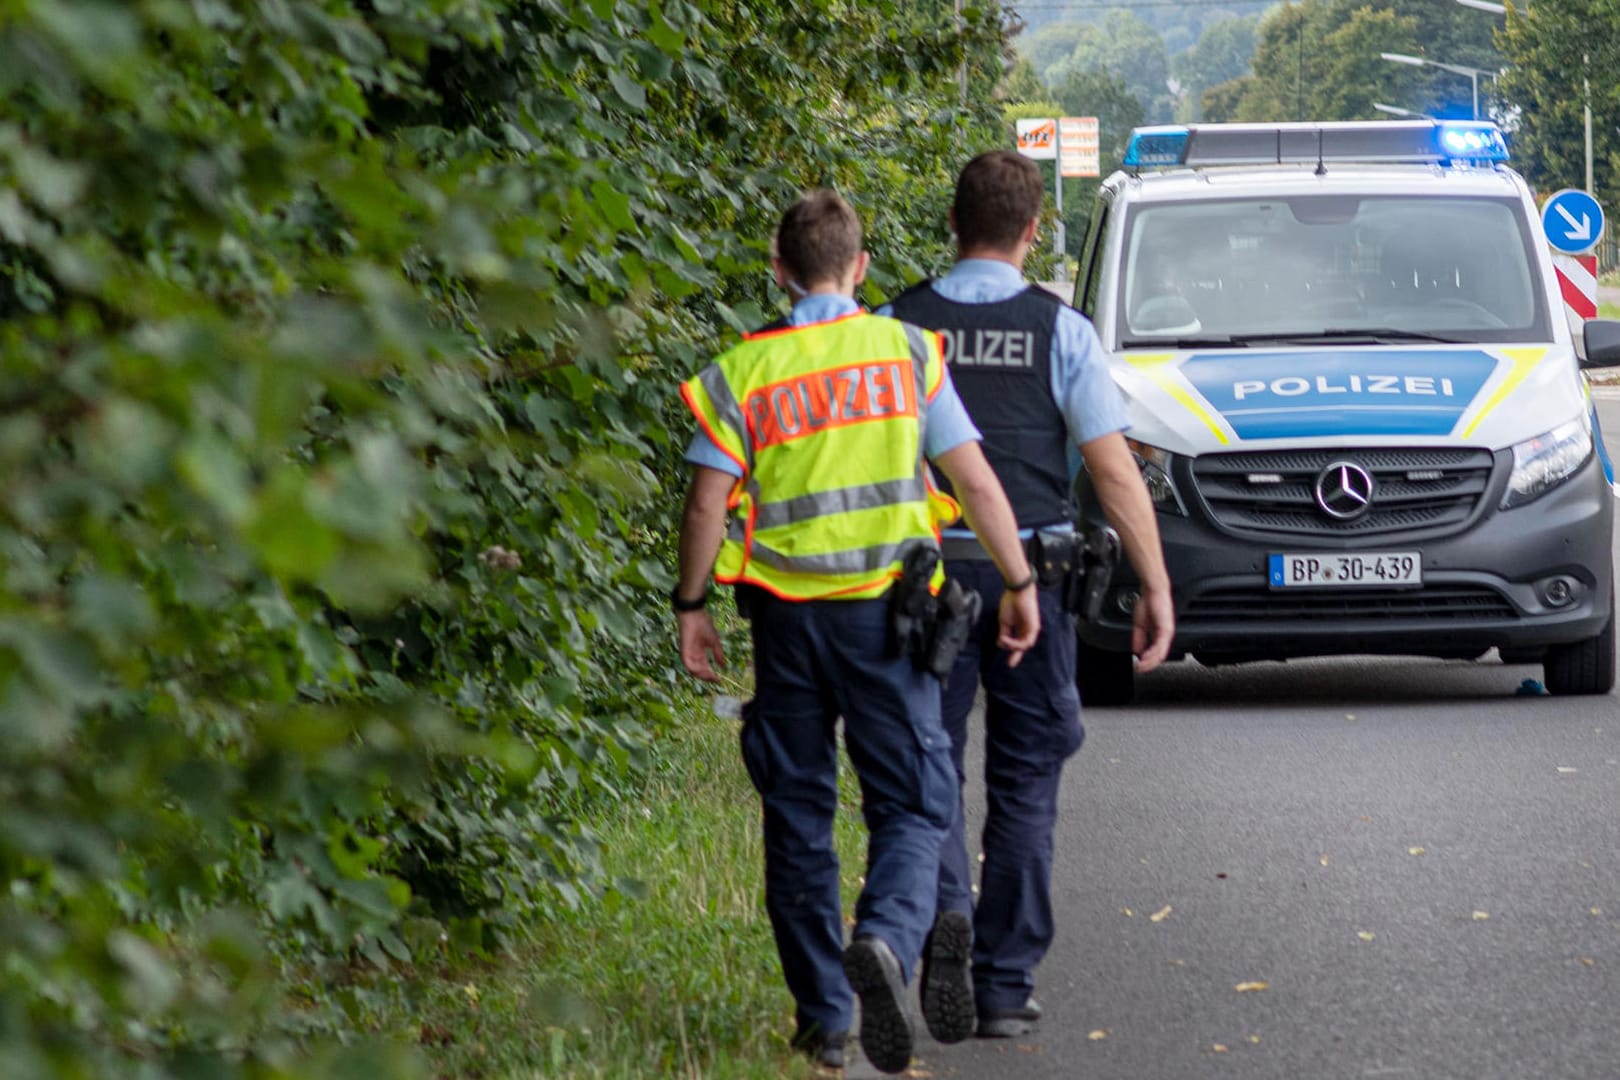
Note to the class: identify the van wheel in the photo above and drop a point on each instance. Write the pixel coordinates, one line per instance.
(1103, 677)
(1583, 667)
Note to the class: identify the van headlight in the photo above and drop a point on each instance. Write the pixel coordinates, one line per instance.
(1157, 473)
(1542, 463)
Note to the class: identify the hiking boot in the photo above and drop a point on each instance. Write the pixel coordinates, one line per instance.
(947, 982)
(1009, 1023)
(874, 974)
(825, 1049)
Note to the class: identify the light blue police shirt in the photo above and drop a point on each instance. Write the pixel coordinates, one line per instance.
(947, 424)
(1085, 392)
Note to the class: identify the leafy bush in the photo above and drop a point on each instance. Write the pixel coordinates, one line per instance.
(338, 460)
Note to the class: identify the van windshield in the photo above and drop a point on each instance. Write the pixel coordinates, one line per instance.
(1455, 269)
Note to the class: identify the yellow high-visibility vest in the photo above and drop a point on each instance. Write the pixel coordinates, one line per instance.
(826, 421)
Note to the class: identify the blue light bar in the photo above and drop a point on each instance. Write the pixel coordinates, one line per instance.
(1472, 140)
(1443, 142)
(1157, 146)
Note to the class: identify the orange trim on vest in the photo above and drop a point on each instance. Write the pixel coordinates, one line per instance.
(939, 358)
(741, 578)
(764, 334)
(686, 396)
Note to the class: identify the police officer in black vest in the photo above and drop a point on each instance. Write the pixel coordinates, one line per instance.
(1035, 379)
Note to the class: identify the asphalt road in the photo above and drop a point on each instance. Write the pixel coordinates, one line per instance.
(1420, 866)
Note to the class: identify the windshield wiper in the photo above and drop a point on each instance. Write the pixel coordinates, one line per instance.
(1376, 335)
(1208, 341)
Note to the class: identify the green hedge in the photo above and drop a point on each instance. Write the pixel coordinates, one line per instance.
(338, 463)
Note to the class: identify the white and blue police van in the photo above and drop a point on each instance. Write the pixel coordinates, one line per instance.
(1356, 400)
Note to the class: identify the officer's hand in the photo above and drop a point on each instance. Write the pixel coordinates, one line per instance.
(1020, 617)
(1153, 625)
(700, 642)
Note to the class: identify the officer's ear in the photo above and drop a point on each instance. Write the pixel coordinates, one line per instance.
(1031, 231)
(780, 270)
(862, 261)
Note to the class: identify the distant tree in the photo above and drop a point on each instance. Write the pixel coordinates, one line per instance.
(1319, 60)
(1126, 46)
(1223, 52)
(1452, 34)
(1021, 83)
(1219, 103)
(1052, 45)
(1552, 51)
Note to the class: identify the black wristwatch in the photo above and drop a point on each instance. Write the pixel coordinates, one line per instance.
(1020, 586)
(678, 604)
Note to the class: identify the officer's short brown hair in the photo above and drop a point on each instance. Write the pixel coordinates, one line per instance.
(818, 238)
(996, 196)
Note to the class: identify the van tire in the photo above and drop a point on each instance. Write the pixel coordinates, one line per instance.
(1103, 677)
(1582, 667)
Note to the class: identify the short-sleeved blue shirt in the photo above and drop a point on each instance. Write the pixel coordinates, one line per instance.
(948, 425)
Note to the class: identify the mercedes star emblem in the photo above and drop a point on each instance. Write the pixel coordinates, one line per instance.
(1344, 490)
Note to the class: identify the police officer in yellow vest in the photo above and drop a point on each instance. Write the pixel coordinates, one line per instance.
(814, 442)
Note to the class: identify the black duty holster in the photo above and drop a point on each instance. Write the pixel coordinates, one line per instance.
(1082, 567)
(930, 629)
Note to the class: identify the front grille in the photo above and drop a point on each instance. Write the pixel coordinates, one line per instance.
(1274, 492)
(1260, 604)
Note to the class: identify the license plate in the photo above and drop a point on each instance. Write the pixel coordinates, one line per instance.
(1346, 570)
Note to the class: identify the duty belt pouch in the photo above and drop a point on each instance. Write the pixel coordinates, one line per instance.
(1098, 555)
(912, 607)
(1055, 558)
(957, 614)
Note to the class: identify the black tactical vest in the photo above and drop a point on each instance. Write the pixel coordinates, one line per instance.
(1000, 358)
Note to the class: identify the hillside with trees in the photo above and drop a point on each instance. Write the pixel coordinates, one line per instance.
(1538, 66)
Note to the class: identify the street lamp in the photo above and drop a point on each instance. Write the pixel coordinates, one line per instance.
(1501, 9)
(1393, 111)
(1419, 61)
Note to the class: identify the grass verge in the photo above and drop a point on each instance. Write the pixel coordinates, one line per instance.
(682, 981)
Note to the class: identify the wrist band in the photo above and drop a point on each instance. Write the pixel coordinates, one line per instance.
(1020, 586)
(678, 604)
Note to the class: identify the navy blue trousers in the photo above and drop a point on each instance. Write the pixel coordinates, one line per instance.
(815, 662)
(1032, 725)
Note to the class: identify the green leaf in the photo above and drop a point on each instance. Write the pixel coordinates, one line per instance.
(630, 92)
(614, 204)
(153, 984)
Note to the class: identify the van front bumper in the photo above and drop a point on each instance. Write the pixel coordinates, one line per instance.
(1490, 585)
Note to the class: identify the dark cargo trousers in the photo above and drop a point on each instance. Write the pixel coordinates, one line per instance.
(1031, 726)
(814, 662)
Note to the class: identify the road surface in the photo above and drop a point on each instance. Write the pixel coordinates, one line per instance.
(1350, 868)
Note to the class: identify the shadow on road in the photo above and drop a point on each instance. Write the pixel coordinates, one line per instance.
(1343, 680)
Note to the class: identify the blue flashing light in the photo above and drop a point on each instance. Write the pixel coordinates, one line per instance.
(1156, 146)
(1472, 141)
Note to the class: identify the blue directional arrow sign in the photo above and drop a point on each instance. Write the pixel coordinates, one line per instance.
(1572, 220)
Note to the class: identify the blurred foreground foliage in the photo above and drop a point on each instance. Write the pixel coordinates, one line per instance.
(338, 462)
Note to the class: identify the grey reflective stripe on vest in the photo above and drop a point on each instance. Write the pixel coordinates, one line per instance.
(840, 501)
(854, 561)
(725, 405)
(917, 339)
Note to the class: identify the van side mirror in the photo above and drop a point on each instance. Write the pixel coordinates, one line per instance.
(1602, 338)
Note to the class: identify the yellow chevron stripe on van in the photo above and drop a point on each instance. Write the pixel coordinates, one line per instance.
(1153, 365)
(1523, 357)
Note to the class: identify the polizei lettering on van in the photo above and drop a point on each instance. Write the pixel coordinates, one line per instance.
(989, 348)
(1354, 391)
(1296, 385)
(794, 408)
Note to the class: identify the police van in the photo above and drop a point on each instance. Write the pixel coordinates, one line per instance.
(1356, 400)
